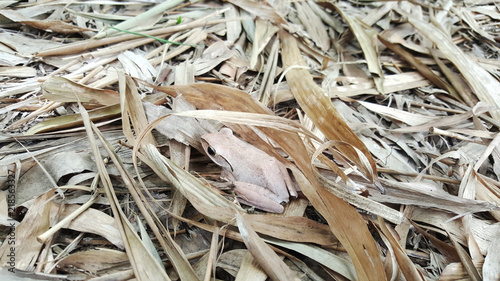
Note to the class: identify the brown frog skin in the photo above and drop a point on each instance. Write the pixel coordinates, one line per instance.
(260, 180)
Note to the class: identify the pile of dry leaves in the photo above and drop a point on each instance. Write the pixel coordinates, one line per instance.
(382, 116)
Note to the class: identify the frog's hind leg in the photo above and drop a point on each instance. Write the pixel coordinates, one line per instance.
(258, 197)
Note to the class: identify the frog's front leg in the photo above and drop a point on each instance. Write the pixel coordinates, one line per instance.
(288, 181)
(258, 197)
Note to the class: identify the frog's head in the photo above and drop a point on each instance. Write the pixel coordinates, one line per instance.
(215, 146)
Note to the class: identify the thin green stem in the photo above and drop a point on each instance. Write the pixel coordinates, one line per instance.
(149, 36)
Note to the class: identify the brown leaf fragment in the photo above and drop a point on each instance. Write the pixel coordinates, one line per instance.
(419, 66)
(94, 260)
(68, 121)
(90, 221)
(465, 259)
(366, 37)
(318, 106)
(56, 26)
(61, 89)
(24, 246)
(446, 249)
(250, 269)
(406, 265)
(262, 253)
(463, 89)
(482, 82)
(260, 9)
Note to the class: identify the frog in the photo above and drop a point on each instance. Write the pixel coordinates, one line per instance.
(259, 180)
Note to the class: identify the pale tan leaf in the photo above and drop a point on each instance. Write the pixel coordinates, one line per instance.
(366, 39)
(400, 115)
(17, 71)
(480, 80)
(250, 270)
(267, 258)
(406, 265)
(93, 260)
(143, 20)
(313, 25)
(233, 27)
(68, 121)
(27, 247)
(466, 260)
(491, 266)
(63, 90)
(91, 221)
(144, 264)
(264, 31)
(391, 83)
(320, 255)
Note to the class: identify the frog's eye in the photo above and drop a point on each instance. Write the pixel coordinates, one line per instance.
(211, 151)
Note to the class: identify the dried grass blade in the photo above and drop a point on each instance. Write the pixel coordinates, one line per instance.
(347, 225)
(144, 264)
(326, 258)
(464, 91)
(419, 66)
(133, 110)
(318, 106)
(313, 25)
(261, 10)
(264, 32)
(362, 202)
(49, 233)
(483, 84)
(150, 17)
(409, 118)
(81, 47)
(212, 255)
(407, 267)
(262, 253)
(368, 46)
(465, 259)
(247, 118)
